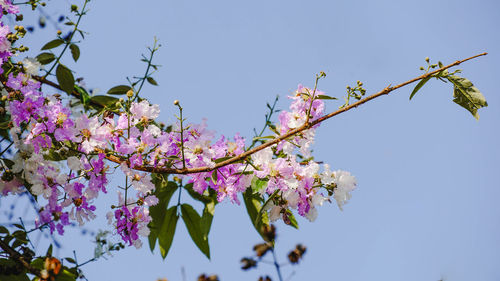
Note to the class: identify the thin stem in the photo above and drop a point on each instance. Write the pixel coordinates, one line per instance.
(182, 137)
(266, 124)
(276, 264)
(24, 228)
(68, 42)
(179, 198)
(308, 113)
(146, 74)
(7, 148)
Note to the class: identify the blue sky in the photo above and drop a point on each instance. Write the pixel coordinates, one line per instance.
(426, 205)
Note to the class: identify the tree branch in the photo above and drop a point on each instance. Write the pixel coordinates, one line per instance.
(244, 155)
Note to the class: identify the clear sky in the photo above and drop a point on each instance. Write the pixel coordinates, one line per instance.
(426, 206)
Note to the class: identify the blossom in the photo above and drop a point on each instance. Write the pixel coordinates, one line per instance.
(31, 66)
(345, 184)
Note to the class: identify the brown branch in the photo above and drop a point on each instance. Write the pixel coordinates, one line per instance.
(17, 257)
(243, 156)
(293, 132)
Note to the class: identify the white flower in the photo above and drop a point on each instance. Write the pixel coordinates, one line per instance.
(155, 131)
(143, 109)
(31, 66)
(327, 177)
(312, 214)
(144, 183)
(275, 213)
(74, 163)
(345, 184)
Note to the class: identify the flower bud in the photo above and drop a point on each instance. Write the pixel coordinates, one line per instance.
(247, 263)
(176, 102)
(130, 93)
(261, 249)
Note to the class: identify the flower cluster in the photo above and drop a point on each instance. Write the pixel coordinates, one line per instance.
(62, 159)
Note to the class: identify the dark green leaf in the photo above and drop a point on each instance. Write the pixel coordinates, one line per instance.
(53, 44)
(195, 195)
(4, 125)
(12, 277)
(167, 231)
(420, 84)
(119, 90)
(65, 78)
(164, 191)
(45, 58)
(207, 217)
(49, 251)
(38, 263)
(106, 101)
(8, 162)
(152, 81)
(3, 229)
(466, 95)
(75, 51)
(70, 260)
(253, 204)
(193, 225)
(218, 160)
(84, 96)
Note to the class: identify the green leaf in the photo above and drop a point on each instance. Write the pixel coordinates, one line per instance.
(325, 97)
(195, 195)
(53, 44)
(164, 191)
(106, 101)
(49, 251)
(258, 184)
(75, 51)
(214, 177)
(466, 95)
(12, 277)
(193, 225)
(420, 84)
(84, 96)
(119, 90)
(291, 219)
(167, 231)
(218, 160)
(3, 229)
(65, 275)
(152, 81)
(4, 125)
(253, 204)
(262, 211)
(207, 217)
(45, 58)
(65, 78)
